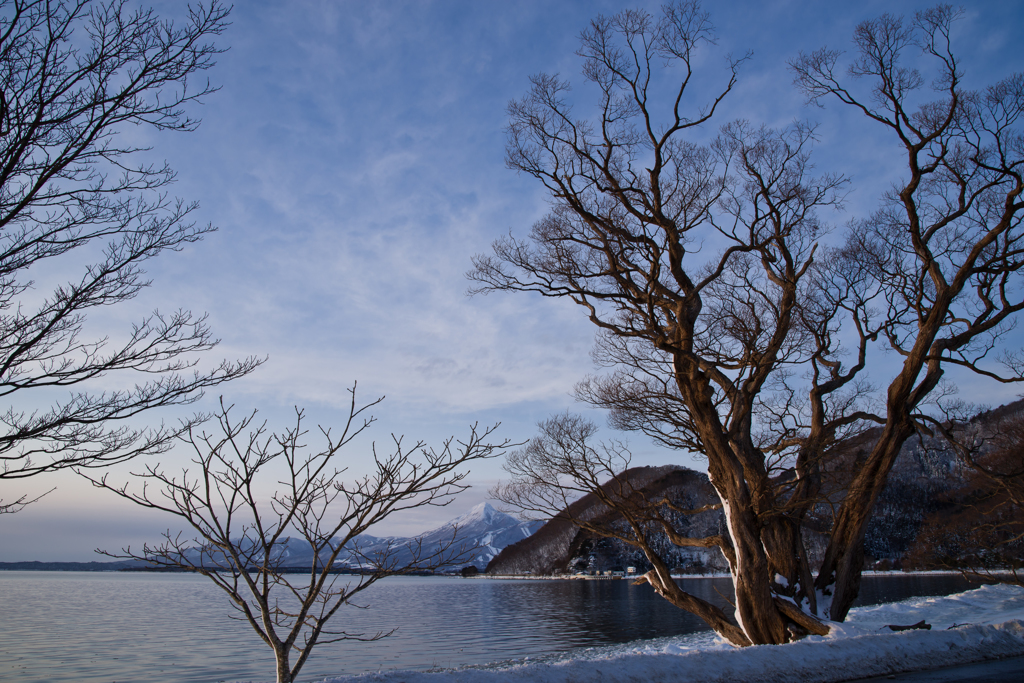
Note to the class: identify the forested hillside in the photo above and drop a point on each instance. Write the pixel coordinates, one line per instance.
(927, 473)
(559, 545)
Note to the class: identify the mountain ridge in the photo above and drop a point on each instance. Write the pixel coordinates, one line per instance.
(474, 537)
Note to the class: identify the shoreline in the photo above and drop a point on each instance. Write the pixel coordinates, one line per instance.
(721, 575)
(857, 651)
(481, 575)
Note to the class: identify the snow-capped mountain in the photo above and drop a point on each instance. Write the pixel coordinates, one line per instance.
(483, 532)
(473, 538)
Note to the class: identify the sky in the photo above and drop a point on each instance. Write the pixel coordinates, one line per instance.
(353, 163)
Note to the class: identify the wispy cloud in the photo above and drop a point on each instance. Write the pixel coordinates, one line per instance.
(353, 162)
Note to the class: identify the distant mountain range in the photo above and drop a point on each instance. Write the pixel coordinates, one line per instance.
(501, 544)
(473, 538)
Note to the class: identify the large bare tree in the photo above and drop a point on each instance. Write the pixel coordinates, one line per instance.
(720, 307)
(943, 253)
(244, 540)
(74, 75)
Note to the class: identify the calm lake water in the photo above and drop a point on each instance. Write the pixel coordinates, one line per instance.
(117, 627)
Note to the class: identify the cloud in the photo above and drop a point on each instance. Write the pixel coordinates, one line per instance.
(354, 163)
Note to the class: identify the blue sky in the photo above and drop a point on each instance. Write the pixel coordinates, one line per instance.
(353, 163)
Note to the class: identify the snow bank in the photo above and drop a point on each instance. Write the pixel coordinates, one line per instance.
(986, 623)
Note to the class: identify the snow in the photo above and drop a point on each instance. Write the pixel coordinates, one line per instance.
(985, 623)
(482, 512)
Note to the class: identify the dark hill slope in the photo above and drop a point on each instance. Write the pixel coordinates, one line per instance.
(926, 469)
(559, 545)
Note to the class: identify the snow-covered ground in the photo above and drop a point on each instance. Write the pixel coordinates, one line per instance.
(986, 623)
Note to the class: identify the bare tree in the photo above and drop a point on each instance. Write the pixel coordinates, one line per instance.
(240, 540)
(73, 76)
(944, 252)
(737, 355)
(698, 341)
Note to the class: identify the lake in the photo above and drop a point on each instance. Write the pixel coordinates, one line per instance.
(92, 626)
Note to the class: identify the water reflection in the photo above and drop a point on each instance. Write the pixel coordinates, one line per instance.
(102, 627)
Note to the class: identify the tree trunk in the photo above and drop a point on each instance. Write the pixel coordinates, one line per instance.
(755, 606)
(284, 672)
(757, 613)
(790, 572)
(840, 573)
(663, 584)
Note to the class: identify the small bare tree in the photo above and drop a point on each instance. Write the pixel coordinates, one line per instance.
(240, 540)
(73, 75)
